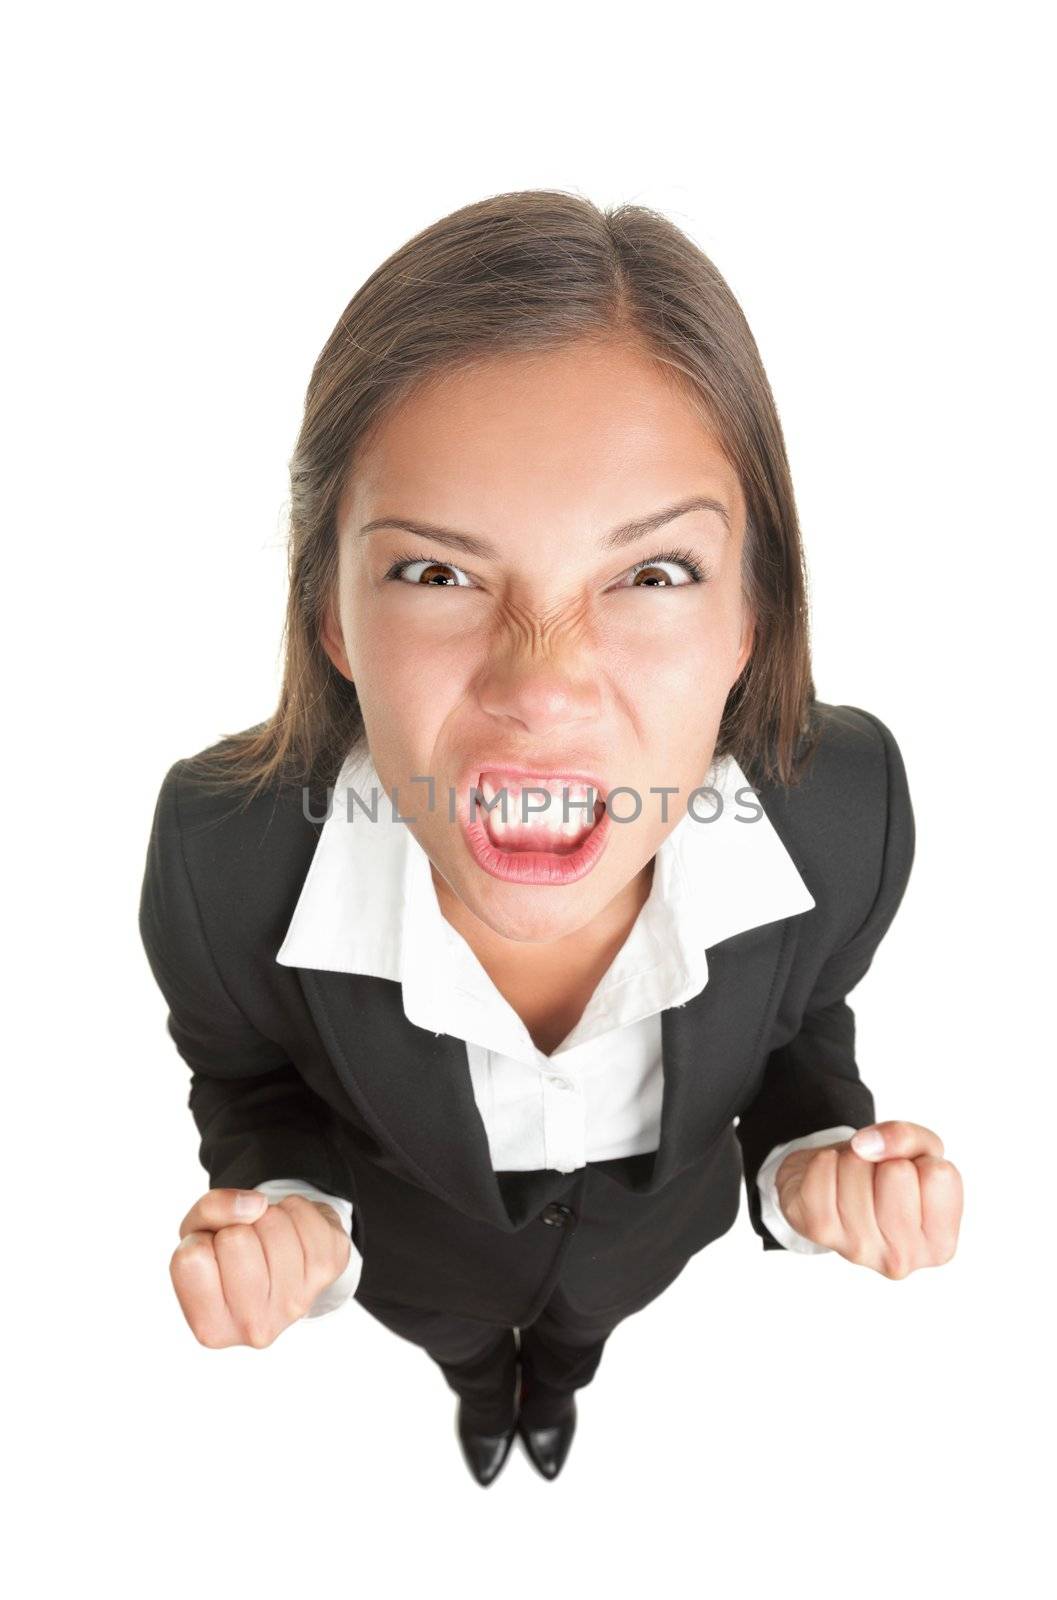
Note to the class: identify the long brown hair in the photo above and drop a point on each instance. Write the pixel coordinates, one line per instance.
(531, 270)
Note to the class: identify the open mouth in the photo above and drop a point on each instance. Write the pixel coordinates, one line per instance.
(553, 814)
(537, 829)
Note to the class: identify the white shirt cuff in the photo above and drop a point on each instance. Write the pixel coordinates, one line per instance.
(343, 1288)
(771, 1214)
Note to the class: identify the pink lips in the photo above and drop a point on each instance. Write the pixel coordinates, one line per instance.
(549, 866)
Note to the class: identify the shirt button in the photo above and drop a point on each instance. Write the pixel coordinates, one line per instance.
(556, 1215)
(558, 1083)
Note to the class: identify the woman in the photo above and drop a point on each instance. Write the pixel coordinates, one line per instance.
(433, 937)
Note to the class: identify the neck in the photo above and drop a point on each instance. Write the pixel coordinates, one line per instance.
(549, 984)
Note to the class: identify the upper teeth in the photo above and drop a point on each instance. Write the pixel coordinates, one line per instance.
(533, 809)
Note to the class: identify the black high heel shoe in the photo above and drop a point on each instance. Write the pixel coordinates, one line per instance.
(547, 1447)
(484, 1453)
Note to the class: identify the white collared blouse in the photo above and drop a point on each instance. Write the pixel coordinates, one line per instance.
(369, 906)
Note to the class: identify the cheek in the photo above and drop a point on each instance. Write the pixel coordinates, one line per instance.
(400, 623)
(410, 674)
(674, 647)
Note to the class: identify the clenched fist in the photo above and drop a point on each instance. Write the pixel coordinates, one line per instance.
(244, 1269)
(884, 1199)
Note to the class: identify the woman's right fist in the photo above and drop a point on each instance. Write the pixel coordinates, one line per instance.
(244, 1270)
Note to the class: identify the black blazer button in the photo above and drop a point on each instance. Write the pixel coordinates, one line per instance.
(557, 1215)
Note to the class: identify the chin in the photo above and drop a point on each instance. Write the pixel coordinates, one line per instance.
(530, 914)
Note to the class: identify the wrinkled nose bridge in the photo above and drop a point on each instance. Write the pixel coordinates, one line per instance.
(539, 666)
(541, 635)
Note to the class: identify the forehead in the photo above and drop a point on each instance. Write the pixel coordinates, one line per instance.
(594, 432)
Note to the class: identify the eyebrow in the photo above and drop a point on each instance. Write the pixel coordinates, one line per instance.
(626, 533)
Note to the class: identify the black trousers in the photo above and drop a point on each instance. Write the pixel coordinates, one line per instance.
(558, 1352)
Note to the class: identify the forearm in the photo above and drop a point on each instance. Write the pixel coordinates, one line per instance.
(252, 1128)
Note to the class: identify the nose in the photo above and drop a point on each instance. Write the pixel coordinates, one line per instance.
(539, 696)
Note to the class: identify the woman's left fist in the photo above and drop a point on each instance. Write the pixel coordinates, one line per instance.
(884, 1199)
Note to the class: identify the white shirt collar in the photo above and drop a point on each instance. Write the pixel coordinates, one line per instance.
(368, 906)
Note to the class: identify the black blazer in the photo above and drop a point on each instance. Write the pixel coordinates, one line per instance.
(320, 1075)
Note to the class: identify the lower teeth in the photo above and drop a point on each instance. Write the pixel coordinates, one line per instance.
(539, 839)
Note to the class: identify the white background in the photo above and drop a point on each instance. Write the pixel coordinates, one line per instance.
(193, 195)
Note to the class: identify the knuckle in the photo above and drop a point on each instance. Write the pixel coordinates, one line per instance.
(817, 1222)
(318, 1274)
(318, 1253)
(207, 1336)
(820, 1169)
(293, 1299)
(822, 1231)
(293, 1308)
(944, 1181)
(234, 1232)
(271, 1225)
(186, 1259)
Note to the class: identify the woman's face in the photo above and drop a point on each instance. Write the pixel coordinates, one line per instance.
(526, 630)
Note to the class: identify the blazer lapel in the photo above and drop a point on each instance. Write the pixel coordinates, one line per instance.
(411, 1086)
(415, 1093)
(711, 1046)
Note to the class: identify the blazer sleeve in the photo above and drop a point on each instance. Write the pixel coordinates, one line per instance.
(256, 1115)
(813, 1081)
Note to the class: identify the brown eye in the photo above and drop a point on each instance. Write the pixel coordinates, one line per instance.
(673, 569)
(427, 573)
(435, 573)
(652, 577)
